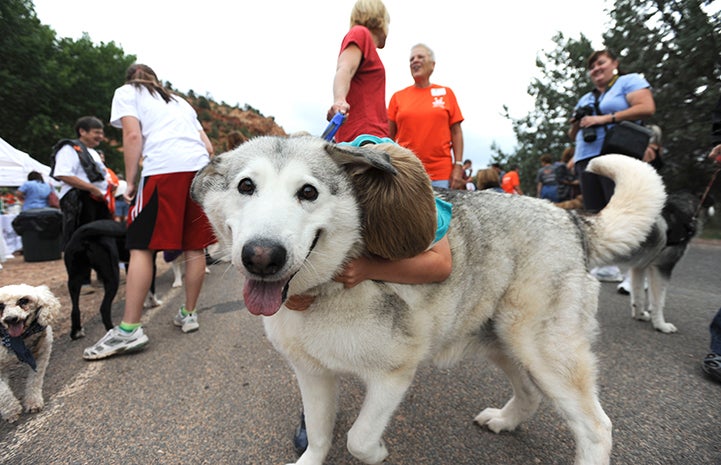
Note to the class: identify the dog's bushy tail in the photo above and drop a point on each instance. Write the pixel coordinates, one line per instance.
(628, 218)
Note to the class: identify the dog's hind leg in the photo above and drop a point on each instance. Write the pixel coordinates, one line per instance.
(565, 371)
(384, 392)
(522, 406)
(638, 294)
(111, 284)
(658, 284)
(76, 326)
(319, 391)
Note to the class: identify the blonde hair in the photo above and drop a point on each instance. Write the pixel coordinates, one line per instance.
(371, 14)
(487, 178)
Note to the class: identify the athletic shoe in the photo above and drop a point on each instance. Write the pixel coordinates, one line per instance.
(188, 322)
(625, 286)
(607, 274)
(116, 341)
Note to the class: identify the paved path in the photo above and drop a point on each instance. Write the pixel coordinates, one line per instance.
(222, 395)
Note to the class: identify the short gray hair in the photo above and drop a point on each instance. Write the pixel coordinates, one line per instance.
(431, 55)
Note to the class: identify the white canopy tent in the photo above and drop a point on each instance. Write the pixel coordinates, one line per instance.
(15, 166)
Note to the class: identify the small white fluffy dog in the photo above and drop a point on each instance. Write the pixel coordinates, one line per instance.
(26, 316)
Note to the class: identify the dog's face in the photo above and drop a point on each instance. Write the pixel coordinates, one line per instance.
(21, 305)
(287, 212)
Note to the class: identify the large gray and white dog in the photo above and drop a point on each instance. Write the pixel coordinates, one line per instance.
(520, 291)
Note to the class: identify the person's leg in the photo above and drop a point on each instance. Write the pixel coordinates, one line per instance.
(137, 284)
(194, 276)
(711, 364)
(715, 330)
(187, 317)
(129, 335)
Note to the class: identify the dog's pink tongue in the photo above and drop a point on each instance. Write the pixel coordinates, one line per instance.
(16, 329)
(263, 298)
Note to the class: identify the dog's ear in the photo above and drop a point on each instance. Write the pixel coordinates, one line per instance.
(208, 178)
(361, 159)
(48, 304)
(395, 195)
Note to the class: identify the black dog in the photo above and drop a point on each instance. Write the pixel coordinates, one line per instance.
(99, 245)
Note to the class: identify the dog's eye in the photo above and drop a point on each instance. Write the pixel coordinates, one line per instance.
(308, 192)
(22, 302)
(246, 187)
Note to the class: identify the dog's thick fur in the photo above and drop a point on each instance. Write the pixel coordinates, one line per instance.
(519, 292)
(100, 246)
(656, 258)
(20, 306)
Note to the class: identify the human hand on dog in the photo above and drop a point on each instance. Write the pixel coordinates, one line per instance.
(299, 302)
(355, 272)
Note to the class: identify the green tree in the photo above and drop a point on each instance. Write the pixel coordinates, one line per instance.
(675, 44)
(48, 82)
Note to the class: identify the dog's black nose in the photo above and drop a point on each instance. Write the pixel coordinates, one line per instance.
(263, 257)
(12, 321)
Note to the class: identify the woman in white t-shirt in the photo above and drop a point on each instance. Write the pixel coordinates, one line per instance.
(161, 133)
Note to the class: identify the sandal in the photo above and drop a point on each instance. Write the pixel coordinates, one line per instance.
(712, 366)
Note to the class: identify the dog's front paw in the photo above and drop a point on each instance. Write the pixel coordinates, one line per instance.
(666, 328)
(77, 333)
(34, 404)
(11, 414)
(374, 454)
(495, 420)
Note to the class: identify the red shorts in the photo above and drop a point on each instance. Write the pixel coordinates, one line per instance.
(164, 217)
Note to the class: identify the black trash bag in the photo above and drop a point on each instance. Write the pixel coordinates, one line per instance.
(47, 222)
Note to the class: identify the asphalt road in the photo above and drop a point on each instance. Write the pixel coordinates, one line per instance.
(222, 395)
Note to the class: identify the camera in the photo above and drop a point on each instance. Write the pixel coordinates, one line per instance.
(589, 133)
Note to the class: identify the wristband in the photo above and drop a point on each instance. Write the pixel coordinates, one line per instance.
(459, 163)
(613, 118)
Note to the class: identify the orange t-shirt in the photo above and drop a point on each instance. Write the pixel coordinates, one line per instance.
(510, 181)
(423, 120)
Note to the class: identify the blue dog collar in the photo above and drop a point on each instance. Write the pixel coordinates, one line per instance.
(365, 139)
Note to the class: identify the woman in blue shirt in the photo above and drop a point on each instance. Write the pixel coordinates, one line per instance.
(34, 192)
(615, 97)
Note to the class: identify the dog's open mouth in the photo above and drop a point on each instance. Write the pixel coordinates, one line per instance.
(264, 297)
(16, 328)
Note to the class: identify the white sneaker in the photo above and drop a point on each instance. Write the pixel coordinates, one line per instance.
(188, 322)
(625, 286)
(116, 341)
(607, 274)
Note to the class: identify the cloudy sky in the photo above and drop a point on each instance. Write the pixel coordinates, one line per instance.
(279, 56)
